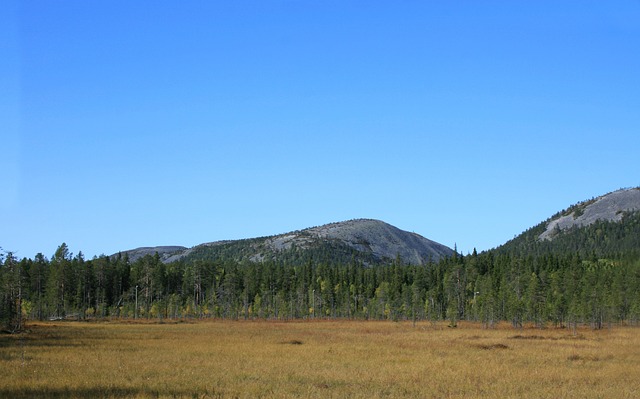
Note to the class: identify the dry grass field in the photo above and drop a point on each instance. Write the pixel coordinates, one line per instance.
(319, 359)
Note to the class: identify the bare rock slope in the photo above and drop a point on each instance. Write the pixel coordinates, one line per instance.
(383, 240)
(609, 207)
(163, 251)
(368, 236)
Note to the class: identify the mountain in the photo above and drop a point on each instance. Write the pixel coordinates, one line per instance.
(604, 225)
(364, 240)
(610, 207)
(164, 252)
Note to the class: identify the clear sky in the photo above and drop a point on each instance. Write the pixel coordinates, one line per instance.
(132, 123)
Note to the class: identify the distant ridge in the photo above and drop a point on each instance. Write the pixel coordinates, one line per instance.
(369, 241)
(163, 251)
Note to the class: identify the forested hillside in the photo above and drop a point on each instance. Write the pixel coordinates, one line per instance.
(253, 250)
(602, 239)
(588, 274)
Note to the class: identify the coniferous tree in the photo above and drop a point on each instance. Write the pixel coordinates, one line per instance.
(11, 289)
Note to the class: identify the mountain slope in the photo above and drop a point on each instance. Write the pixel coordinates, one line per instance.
(610, 207)
(603, 225)
(382, 240)
(163, 251)
(364, 240)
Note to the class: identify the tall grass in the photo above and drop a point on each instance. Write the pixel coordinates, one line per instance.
(318, 359)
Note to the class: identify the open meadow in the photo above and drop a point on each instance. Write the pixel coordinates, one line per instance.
(316, 359)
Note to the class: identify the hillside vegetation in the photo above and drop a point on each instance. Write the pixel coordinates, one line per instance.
(604, 227)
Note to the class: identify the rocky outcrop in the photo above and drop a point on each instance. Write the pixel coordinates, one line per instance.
(609, 207)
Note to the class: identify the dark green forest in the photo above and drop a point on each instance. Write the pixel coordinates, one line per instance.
(587, 275)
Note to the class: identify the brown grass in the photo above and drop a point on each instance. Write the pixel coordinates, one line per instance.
(322, 359)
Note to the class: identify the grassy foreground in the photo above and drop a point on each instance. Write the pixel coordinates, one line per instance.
(320, 359)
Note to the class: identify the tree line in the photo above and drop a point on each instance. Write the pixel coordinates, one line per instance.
(548, 288)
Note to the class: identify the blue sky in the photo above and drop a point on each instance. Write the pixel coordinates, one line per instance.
(130, 124)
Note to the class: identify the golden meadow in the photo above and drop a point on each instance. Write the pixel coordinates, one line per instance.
(316, 359)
